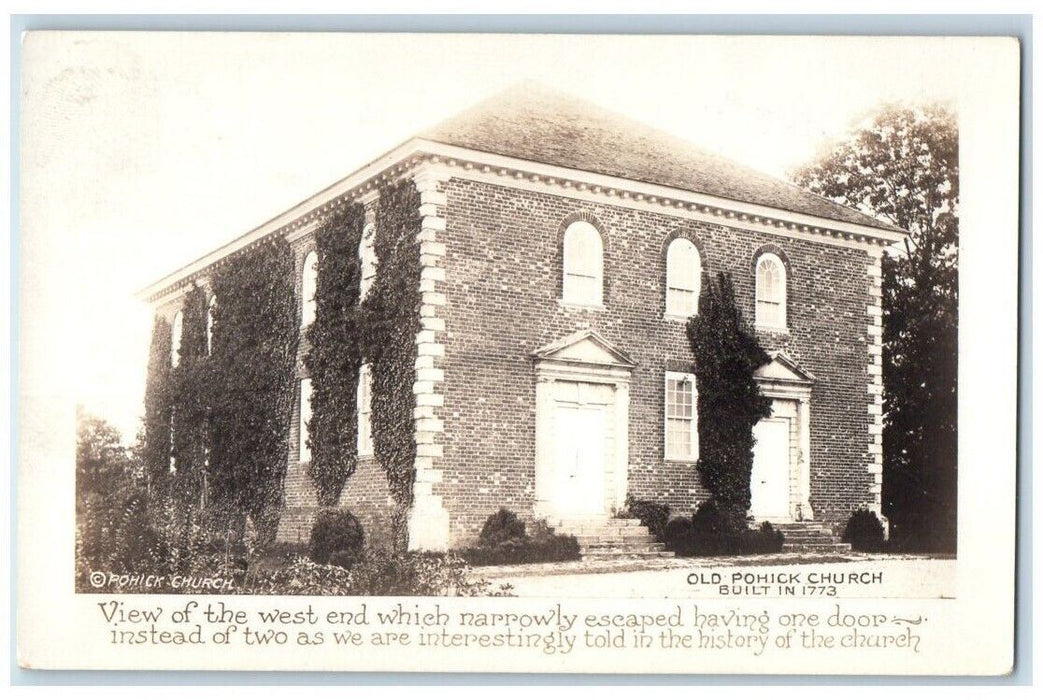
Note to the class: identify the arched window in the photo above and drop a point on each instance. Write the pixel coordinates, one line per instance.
(364, 400)
(771, 292)
(582, 254)
(309, 281)
(684, 271)
(303, 448)
(367, 261)
(211, 307)
(175, 339)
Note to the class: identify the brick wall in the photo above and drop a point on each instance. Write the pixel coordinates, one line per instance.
(503, 280)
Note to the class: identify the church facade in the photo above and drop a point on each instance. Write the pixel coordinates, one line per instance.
(562, 250)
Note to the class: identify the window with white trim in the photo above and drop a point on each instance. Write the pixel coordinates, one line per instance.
(684, 270)
(304, 450)
(771, 292)
(367, 260)
(582, 253)
(365, 397)
(211, 307)
(175, 339)
(309, 283)
(682, 417)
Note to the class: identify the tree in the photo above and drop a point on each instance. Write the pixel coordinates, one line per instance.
(730, 402)
(103, 463)
(903, 167)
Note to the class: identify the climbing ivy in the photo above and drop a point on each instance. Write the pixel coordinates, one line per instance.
(335, 356)
(730, 402)
(190, 400)
(157, 405)
(254, 345)
(392, 320)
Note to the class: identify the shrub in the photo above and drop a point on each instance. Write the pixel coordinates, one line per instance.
(503, 541)
(678, 536)
(501, 526)
(708, 533)
(864, 531)
(336, 531)
(652, 515)
(766, 540)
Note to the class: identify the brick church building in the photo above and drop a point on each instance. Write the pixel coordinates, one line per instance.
(562, 249)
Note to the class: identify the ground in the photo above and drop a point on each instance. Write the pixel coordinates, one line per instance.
(849, 575)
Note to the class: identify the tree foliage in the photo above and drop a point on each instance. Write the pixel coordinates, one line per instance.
(730, 402)
(334, 357)
(903, 167)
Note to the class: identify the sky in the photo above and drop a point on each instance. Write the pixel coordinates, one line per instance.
(141, 152)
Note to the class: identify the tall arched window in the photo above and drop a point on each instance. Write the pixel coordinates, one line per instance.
(211, 306)
(309, 282)
(684, 271)
(771, 292)
(303, 448)
(367, 261)
(363, 404)
(175, 339)
(582, 254)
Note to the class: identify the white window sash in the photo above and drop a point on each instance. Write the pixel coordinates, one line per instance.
(671, 451)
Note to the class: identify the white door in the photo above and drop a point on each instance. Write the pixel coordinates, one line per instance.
(579, 441)
(769, 482)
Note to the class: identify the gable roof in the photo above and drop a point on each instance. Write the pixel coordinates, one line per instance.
(783, 368)
(532, 122)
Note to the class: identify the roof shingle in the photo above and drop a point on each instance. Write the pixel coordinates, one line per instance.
(534, 123)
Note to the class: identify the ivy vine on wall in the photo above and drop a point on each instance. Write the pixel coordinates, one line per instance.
(334, 357)
(252, 376)
(190, 400)
(157, 406)
(392, 320)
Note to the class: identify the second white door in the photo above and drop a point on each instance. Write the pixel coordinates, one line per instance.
(579, 460)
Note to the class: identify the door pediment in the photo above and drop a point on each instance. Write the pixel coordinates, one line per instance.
(784, 370)
(585, 347)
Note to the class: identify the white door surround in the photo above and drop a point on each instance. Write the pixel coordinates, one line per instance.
(582, 415)
(782, 468)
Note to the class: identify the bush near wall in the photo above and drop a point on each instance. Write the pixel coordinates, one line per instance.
(709, 533)
(335, 355)
(864, 532)
(652, 515)
(504, 540)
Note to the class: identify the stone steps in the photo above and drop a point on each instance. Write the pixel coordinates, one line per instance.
(810, 537)
(606, 539)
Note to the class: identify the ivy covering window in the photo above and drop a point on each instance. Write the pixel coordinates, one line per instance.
(682, 430)
(309, 281)
(684, 271)
(304, 450)
(211, 306)
(367, 260)
(771, 292)
(365, 395)
(582, 262)
(175, 339)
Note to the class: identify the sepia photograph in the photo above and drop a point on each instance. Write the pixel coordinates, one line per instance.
(519, 317)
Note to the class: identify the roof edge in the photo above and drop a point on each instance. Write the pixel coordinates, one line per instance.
(472, 164)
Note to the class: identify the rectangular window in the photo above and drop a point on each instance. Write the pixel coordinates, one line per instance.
(304, 451)
(682, 424)
(365, 394)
